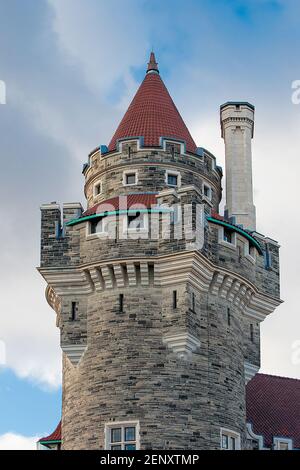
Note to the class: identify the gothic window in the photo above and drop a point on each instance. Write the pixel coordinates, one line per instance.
(121, 303)
(173, 149)
(174, 299)
(227, 235)
(130, 178)
(122, 436)
(228, 316)
(73, 311)
(207, 191)
(230, 440)
(97, 188)
(136, 221)
(251, 333)
(251, 250)
(268, 257)
(282, 443)
(98, 225)
(173, 178)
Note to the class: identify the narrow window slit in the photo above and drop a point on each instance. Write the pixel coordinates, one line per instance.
(174, 299)
(121, 303)
(228, 316)
(251, 333)
(73, 311)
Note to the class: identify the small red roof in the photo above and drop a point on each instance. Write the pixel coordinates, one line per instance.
(55, 436)
(273, 407)
(129, 201)
(152, 114)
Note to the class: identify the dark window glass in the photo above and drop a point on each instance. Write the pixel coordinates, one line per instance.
(97, 189)
(193, 301)
(117, 447)
(224, 442)
(130, 447)
(173, 149)
(228, 316)
(121, 303)
(136, 221)
(97, 226)
(130, 178)
(115, 435)
(73, 311)
(130, 434)
(232, 443)
(227, 236)
(268, 258)
(207, 191)
(251, 333)
(174, 298)
(172, 180)
(254, 445)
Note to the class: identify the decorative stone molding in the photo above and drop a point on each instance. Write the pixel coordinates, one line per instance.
(52, 205)
(74, 352)
(250, 371)
(54, 302)
(189, 267)
(256, 437)
(182, 344)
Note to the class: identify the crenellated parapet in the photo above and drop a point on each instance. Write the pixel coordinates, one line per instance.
(105, 174)
(59, 246)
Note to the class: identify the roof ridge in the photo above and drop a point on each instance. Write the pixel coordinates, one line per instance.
(278, 376)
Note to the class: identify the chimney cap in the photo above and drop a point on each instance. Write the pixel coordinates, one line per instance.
(237, 103)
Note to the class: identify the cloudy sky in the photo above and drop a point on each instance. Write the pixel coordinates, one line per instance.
(70, 69)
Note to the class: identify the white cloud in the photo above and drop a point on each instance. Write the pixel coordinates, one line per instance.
(12, 441)
(102, 38)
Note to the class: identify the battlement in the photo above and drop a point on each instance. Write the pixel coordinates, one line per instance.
(59, 247)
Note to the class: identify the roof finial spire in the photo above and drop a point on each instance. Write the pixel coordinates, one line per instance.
(152, 64)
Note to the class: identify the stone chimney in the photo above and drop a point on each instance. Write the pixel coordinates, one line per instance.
(237, 125)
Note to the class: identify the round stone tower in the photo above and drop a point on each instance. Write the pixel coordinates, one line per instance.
(158, 297)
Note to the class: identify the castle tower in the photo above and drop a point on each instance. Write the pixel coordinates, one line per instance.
(158, 298)
(237, 124)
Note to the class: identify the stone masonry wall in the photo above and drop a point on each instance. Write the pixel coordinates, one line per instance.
(127, 373)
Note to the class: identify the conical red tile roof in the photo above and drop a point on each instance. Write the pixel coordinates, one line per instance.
(55, 436)
(152, 114)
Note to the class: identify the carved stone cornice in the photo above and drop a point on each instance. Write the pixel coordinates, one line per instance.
(172, 269)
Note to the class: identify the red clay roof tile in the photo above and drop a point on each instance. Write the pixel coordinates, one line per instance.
(273, 407)
(55, 436)
(152, 114)
(134, 201)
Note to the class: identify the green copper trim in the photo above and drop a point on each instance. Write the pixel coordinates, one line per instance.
(118, 212)
(50, 442)
(234, 228)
